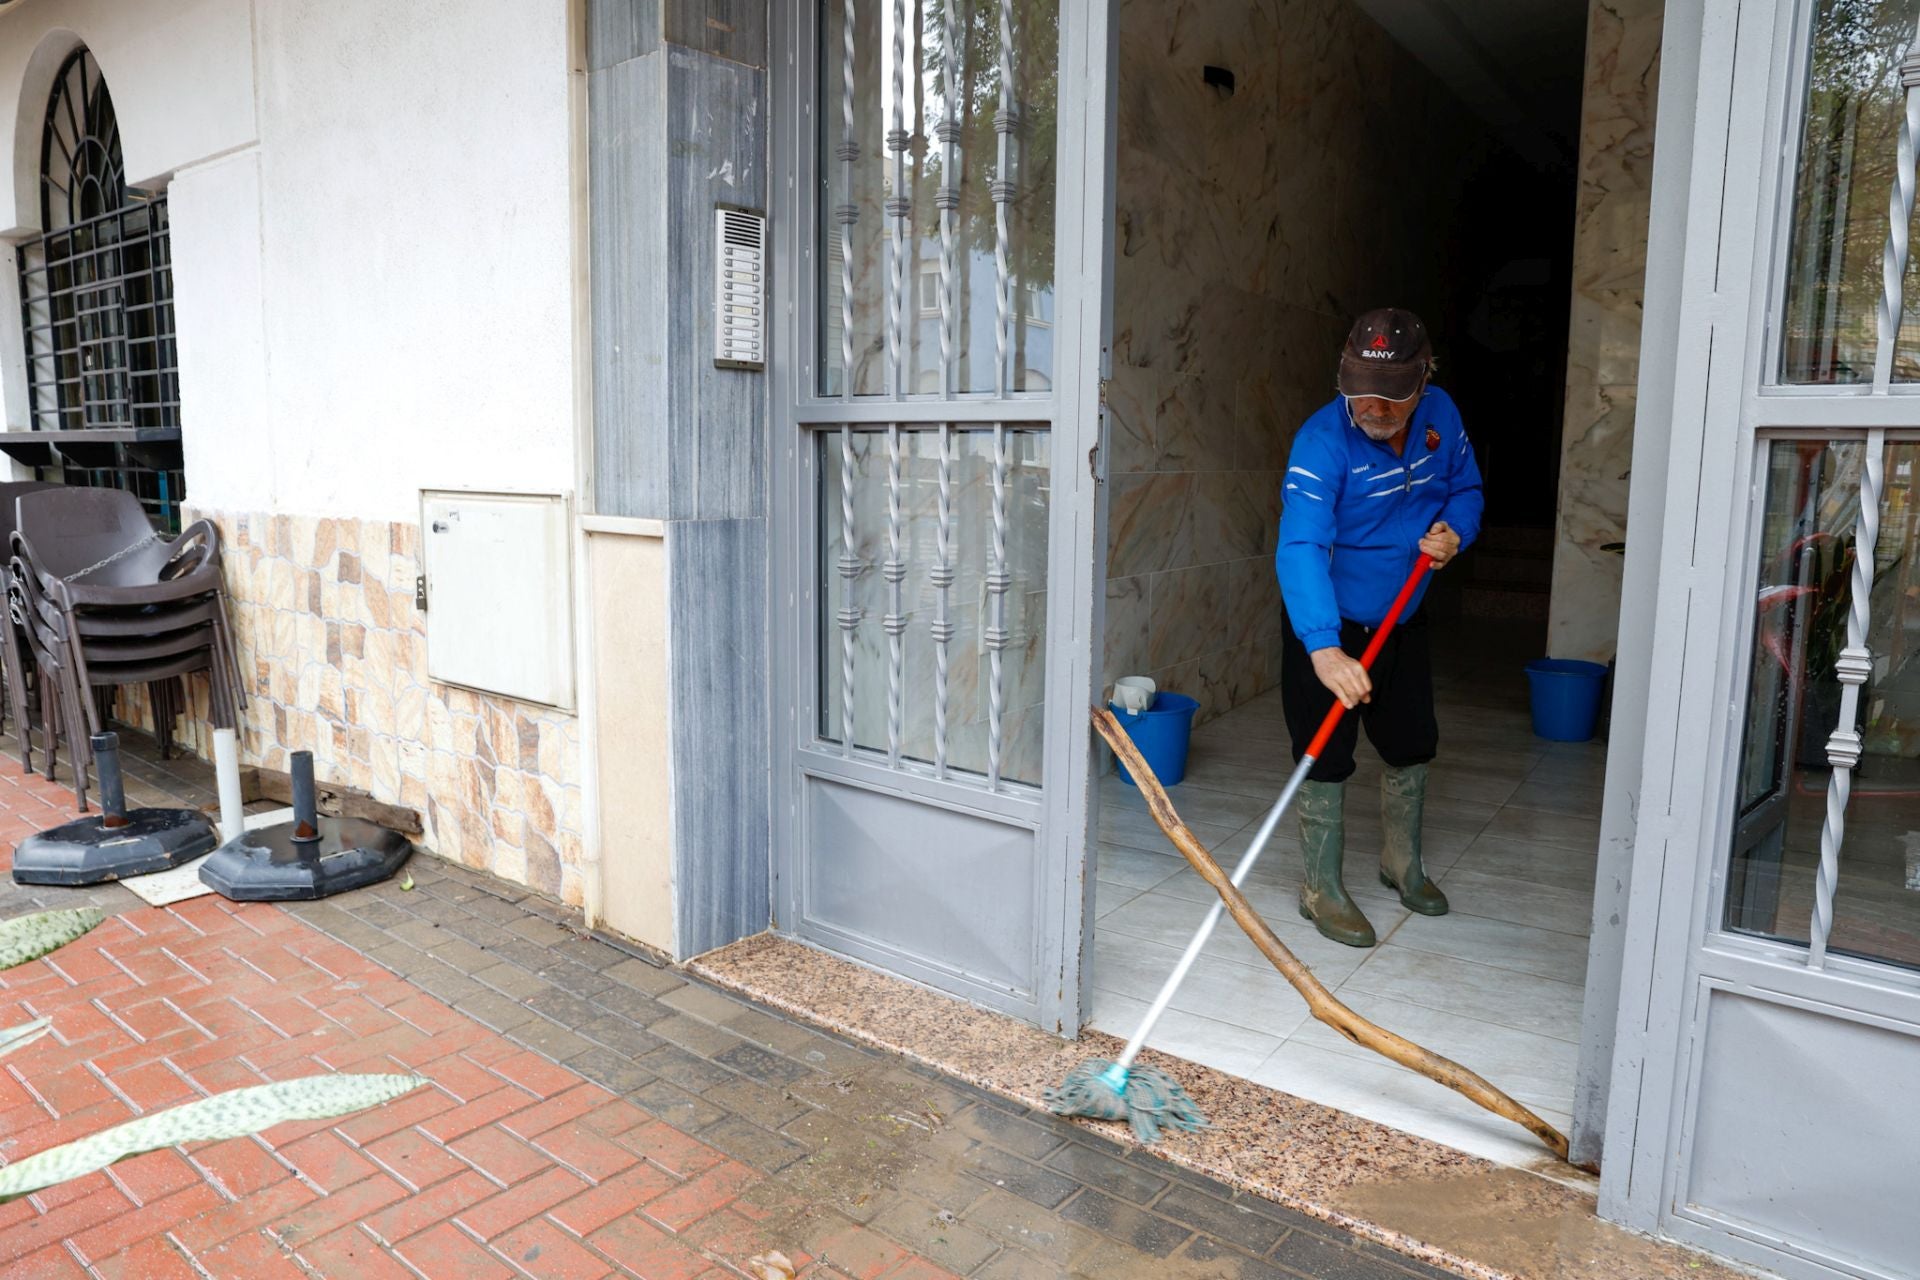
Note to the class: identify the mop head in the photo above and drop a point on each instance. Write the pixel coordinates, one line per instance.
(1150, 1100)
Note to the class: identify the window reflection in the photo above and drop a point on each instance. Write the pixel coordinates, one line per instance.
(1793, 705)
(1854, 105)
(976, 157)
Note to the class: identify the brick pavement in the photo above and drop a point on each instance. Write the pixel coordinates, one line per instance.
(590, 1113)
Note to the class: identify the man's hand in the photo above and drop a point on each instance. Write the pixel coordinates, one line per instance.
(1441, 543)
(1346, 677)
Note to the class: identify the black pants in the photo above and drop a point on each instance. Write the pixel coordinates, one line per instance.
(1399, 718)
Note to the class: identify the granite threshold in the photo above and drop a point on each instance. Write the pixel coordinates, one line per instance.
(1417, 1197)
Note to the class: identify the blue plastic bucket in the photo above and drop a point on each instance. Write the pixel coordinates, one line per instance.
(1566, 697)
(1162, 732)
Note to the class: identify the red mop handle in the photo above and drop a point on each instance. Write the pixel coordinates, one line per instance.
(1339, 708)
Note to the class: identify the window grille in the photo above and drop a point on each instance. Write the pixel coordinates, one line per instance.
(96, 295)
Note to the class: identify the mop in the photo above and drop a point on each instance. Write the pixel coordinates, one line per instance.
(1151, 1099)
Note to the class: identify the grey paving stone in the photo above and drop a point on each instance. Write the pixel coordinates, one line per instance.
(642, 976)
(938, 1233)
(702, 1002)
(695, 1036)
(511, 980)
(768, 1068)
(1045, 1187)
(550, 1038)
(762, 1148)
(1316, 1258)
(563, 1007)
(685, 1111)
(619, 1036)
(1214, 1216)
(988, 1123)
(496, 1011)
(770, 1108)
(1115, 1177)
(1127, 1223)
(612, 1071)
(688, 1070)
(632, 1004)
(543, 933)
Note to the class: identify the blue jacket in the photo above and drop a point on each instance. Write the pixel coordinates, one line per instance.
(1353, 513)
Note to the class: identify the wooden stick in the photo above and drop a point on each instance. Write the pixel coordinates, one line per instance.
(1321, 1002)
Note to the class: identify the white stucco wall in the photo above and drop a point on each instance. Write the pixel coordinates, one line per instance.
(370, 208)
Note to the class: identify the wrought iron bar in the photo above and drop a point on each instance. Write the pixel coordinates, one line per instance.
(847, 213)
(1893, 257)
(899, 209)
(1853, 666)
(942, 577)
(947, 201)
(999, 580)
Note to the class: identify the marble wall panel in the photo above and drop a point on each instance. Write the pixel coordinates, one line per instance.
(1249, 226)
(1609, 264)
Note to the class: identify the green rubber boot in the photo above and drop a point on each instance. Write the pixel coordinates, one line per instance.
(1403, 795)
(1323, 899)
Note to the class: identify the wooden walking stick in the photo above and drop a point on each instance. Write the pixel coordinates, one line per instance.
(1320, 1001)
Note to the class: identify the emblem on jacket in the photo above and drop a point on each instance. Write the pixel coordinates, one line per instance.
(1433, 439)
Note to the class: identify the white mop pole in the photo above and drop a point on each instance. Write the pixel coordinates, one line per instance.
(226, 772)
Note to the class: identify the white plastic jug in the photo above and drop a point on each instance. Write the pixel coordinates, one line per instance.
(1134, 693)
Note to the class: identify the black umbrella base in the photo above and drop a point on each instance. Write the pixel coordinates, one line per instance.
(269, 865)
(87, 852)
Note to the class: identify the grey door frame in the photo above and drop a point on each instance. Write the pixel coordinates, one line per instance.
(1060, 811)
(1707, 416)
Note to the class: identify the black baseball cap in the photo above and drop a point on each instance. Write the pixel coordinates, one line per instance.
(1386, 355)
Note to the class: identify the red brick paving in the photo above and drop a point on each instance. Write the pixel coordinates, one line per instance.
(505, 1164)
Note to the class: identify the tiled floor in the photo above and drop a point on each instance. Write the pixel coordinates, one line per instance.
(1511, 832)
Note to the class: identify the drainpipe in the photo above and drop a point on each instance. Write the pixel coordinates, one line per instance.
(579, 264)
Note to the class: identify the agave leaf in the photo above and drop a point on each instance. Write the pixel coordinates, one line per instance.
(23, 1035)
(25, 938)
(233, 1114)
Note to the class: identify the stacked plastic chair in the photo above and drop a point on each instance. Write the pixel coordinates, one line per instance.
(22, 702)
(107, 602)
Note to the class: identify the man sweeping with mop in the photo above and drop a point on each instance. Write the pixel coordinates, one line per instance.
(1381, 489)
(1379, 475)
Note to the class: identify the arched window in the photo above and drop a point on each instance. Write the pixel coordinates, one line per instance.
(97, 294)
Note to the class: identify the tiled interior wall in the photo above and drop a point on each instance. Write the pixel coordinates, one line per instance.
(335, 656)
(1251, 227)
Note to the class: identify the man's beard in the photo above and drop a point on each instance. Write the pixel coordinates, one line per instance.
(1378, 430)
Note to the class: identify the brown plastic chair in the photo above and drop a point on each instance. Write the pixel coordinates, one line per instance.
(99, 561)
(22, 701)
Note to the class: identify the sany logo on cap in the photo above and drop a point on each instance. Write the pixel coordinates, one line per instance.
(1377, 349)
(1379, 342)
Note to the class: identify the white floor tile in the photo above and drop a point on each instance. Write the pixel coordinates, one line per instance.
(1254, 999)
(1543, 906)
(1171, 922)
(1536, 1069)
(1499, 944)
(1526, 860)
(1209, 1042)
(1141, 867)
(1519, 1000)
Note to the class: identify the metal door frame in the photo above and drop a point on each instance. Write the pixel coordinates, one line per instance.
(1060, 811)
(1723, 303)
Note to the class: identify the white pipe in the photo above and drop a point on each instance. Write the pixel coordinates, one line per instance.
(226, 772)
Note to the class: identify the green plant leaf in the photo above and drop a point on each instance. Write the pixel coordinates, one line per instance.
(233, 1114)
(23, 1035)
(25, 938)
